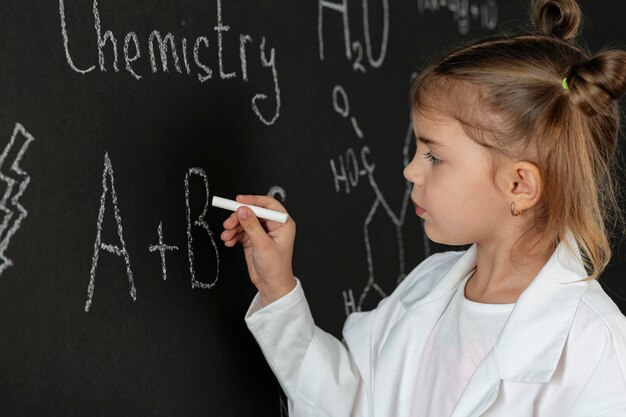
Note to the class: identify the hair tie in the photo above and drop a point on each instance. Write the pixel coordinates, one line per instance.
(565, 86)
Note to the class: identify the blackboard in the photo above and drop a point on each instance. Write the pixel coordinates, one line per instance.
(116, 295)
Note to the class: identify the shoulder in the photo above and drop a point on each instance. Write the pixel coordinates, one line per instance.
(598, 309)
(600, 325)
(595, 354)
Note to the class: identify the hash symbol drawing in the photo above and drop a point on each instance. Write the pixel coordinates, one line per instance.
(16, 181)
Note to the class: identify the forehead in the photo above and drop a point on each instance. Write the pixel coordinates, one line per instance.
(448, 104)
(438, 127)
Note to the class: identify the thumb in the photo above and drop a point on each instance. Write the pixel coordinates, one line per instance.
(251, 226)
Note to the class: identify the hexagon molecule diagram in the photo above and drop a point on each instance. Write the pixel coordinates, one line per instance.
(380, 211)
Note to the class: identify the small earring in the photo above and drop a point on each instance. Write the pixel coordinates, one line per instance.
(515, 213)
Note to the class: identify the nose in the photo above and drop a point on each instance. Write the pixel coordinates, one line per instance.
(412, 172)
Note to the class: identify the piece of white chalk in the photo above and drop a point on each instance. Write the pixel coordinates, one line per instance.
(261, 212)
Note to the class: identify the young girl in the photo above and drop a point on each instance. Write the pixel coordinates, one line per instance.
(517, 140)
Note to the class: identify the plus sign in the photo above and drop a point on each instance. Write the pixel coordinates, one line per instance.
(162, 248)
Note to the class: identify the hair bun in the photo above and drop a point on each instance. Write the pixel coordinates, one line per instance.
(596, 83)
(558, 18)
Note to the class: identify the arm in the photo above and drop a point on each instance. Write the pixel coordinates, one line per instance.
(315, 370)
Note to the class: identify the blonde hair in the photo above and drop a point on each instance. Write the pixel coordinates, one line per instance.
(508, 93)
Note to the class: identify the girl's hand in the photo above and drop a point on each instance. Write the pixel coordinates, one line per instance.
(267, 246)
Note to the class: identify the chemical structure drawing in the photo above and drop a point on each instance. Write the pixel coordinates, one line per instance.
(347, 172)
(16, 181)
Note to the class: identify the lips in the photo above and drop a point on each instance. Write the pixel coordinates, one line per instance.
(418, 209)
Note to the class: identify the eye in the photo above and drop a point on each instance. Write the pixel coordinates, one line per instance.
(431, 158)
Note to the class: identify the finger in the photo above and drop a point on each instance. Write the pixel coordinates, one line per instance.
(242, 237)
(229, 233)
(238, 237)
(231, 222)
(252, 227)
(230, 243)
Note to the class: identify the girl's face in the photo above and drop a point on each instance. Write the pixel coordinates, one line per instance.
(452, 183)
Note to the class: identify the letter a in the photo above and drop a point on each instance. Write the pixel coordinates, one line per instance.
(98, 245)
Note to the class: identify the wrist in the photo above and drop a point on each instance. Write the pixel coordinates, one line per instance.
(271, 294)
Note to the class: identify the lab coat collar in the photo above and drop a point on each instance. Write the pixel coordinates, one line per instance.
(532, 339)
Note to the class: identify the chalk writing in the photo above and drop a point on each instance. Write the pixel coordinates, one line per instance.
(99, 245)
(271, 62)
(348, 171)
(165, 48)
(348, 168)
(343, 108)
(485, 13)
(349, 174)
(278, 193)
(162, 248)
(16, 180)
(341, 7)
(201, 222)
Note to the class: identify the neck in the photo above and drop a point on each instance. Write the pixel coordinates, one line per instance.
(498, 279)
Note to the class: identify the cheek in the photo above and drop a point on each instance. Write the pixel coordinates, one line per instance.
(440, 193)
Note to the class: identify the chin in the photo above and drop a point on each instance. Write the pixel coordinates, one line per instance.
(443, 239)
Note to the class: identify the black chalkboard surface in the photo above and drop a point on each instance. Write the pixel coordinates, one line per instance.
(119, 120)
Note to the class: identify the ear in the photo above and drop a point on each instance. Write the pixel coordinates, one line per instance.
(523, 184)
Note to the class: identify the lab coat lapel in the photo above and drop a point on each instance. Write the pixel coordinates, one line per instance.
(424, 301)
(435, 284)
(532, 339)
(482, 388)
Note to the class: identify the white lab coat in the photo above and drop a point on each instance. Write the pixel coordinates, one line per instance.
(562, 351)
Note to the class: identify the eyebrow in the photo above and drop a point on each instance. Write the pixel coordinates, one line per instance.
(430, 142)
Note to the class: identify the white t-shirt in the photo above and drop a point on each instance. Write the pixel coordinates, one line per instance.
(466, 331)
